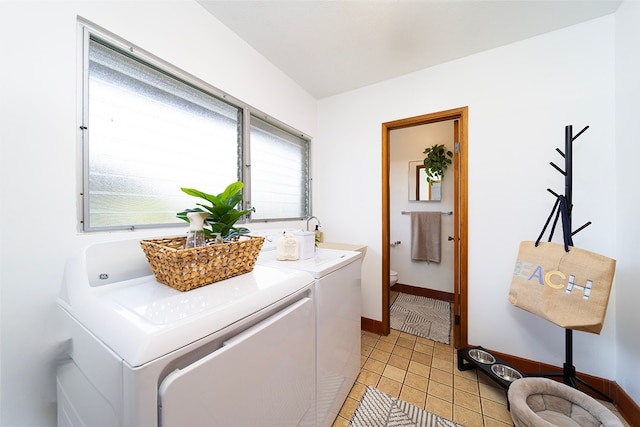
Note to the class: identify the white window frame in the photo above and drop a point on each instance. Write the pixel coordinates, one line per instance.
(87, 30)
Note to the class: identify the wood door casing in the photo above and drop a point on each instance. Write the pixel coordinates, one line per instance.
(460, 215)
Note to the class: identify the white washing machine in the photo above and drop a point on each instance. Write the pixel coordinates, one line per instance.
(239, 352)
(337, 275)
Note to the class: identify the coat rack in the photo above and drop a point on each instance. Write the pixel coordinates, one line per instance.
(568, 370)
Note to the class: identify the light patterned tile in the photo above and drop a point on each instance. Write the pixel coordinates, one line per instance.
(421, 347)
(419, 368)
(368, 341)
(470, 386)
(368, 378)
(357, 391)
(467, 417)
(402, 351)
(440, 391)
(413, 396)
(385, 346)
(389, 386)
(340, 422)
(444, 365)
(366, 350)
(374, 365)
(389, 339)
(423, 358)
(380, 355)
(439, 407)
(416, 381)
(410, 337)
(495, 410)
(490, 422)
(398, 362)
(493, 393)
(405, 342)
(466, 400)
(470, 374)
(442, 377)
(394, 373)
(349, 408)
(443, 354)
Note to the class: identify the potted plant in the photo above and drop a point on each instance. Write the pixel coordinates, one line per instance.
(436, 162)
(222, 212)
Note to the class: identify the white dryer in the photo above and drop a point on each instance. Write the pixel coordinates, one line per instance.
(338, 299)
(239, 352)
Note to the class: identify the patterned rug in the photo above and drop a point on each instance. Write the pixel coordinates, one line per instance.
(377, 409)
(422, 316)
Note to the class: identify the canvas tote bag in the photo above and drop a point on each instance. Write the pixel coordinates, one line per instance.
(563, 284)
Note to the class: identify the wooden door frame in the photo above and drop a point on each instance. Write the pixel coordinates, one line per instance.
(460, 217)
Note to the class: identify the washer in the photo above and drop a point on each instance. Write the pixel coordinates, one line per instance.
(337, 275)
(238, 352)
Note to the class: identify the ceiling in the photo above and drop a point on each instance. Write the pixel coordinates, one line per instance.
(333, 46)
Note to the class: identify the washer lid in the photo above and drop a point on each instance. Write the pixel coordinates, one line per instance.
(322, 263)
(141, 319)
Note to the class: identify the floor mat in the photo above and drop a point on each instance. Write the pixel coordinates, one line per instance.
(422, 316)
(377, 409)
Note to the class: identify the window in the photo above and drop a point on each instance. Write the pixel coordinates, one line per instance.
(279, 172)
(149, 129)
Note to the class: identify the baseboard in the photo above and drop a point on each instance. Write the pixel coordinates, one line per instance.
(423, 292)
(371, 325)
(627, 407)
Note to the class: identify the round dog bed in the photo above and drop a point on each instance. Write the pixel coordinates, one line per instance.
(541, 402)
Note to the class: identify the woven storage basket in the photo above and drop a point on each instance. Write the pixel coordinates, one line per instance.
(186, 269)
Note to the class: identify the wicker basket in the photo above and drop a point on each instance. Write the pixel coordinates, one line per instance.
(186, 269)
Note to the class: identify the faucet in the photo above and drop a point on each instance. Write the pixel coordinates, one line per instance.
(309, 218)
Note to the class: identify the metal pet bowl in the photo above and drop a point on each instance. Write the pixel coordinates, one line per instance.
(482, 356)
(506, 373)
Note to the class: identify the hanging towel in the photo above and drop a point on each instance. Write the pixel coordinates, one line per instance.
(425, 236)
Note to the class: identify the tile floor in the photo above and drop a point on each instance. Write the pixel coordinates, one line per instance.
(425, 374)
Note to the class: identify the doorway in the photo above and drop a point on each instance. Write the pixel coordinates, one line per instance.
(460, 218)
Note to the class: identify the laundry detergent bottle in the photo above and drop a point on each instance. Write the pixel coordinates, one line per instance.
(195, 235)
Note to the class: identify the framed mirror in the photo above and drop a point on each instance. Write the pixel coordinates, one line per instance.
(419, 189)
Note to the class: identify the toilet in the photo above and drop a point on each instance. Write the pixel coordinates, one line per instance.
(393, 277)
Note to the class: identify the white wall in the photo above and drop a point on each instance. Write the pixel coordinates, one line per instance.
(520, 98)
(407, 145)
(38, 149)
(628, 205)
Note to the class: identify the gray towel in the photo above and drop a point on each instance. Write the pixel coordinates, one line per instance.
(425, 236)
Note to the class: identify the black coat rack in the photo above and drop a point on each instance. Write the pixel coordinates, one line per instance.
(568, 369)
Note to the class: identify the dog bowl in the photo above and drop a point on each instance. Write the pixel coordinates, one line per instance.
(505, 372)
(482, 356)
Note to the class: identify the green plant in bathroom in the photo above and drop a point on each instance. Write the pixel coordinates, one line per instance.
(436, 162)
(221, 209)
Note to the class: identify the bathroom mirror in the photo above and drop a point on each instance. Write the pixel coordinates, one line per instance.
(419, 189)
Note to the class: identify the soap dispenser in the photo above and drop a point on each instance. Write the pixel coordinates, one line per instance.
(319, 236)
(195, 234)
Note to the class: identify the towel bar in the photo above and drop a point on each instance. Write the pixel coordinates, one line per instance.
(443, 213)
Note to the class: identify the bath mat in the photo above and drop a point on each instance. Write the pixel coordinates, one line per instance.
(422, 316)
(377, 409)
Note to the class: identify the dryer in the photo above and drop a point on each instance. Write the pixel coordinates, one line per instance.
(239, 352)
(337, 275)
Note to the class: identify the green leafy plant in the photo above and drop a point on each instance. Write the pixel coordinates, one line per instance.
(222, 211)
(436, 162)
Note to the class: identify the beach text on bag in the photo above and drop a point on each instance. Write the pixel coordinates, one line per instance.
(554, 279)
